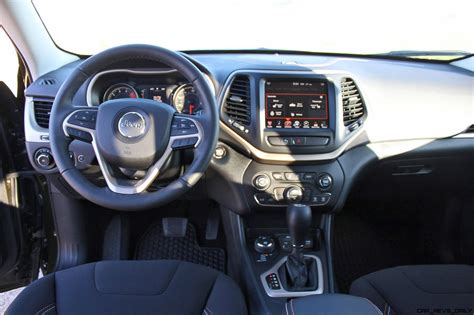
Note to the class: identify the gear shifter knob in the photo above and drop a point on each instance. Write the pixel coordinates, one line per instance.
(299, 221)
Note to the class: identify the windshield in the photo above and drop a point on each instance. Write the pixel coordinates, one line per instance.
(419, 29)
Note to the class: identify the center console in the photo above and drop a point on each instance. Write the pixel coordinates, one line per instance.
(294, 125)
(287, 130)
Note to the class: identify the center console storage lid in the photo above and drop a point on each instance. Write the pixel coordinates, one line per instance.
(331, 304)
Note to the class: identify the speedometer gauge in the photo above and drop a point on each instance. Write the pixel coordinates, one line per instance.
(186, 101)
(120, 90)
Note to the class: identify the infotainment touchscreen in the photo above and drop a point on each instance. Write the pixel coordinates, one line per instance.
(298, 103)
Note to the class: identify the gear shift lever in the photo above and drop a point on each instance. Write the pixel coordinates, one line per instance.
(298, 217)
(299, 222)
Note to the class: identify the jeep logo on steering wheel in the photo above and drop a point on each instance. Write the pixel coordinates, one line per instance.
(132, 125)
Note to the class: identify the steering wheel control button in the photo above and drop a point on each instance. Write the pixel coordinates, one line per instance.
(262, 182)
(325, 182)
(183, 127)
(79, 134)
(84, 118)
(264, 245)
(132, 125)
(44, 159)
(293, 194)
(185, 143)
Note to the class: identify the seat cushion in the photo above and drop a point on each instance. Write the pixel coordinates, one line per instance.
(425, 289)
(132, 287)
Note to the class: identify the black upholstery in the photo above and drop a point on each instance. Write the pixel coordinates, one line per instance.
(423, 289)
(331, 304)
(132, 287)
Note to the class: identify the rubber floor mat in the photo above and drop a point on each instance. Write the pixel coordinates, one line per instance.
(154, 245)
(359, 250)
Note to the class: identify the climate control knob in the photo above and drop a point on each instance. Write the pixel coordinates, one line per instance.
(262, 182)
(293, 194)
(325, 182)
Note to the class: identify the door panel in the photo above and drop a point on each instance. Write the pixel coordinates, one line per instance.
(20, 201)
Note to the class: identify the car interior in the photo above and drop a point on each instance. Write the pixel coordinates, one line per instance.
(138, 179)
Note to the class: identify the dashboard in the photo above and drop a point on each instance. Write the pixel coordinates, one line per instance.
(291, 126)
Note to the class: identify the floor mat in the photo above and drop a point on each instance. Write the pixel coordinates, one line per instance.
(154, 245)
(358, 249)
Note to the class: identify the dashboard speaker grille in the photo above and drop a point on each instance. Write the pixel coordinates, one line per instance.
(237, 101)
(42, 111)
(352, 103)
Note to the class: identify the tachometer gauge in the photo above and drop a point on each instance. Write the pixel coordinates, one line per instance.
(121, 90)
(186, 101)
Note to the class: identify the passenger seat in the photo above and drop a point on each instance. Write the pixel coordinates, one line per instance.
(424, 289)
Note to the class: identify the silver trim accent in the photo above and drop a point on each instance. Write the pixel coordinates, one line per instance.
(99, 74)
(151, 174)
(287, 157)
(286, 294)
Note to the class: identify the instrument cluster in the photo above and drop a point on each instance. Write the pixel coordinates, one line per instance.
(182, 97)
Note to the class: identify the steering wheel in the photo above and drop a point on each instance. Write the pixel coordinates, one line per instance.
(134, 134)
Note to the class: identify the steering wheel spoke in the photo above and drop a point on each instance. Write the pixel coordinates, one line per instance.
(80, 124)
(185, 133)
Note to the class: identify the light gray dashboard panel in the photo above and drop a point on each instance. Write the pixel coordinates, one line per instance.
(405, 100)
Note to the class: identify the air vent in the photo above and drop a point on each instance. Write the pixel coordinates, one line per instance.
(48, 81)
(42, 111)
(353, 106)
(237, 102)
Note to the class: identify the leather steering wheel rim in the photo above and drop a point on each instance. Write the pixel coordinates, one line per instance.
(63, 106)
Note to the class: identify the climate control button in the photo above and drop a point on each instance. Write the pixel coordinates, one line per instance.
(325, 182)
(262, 182)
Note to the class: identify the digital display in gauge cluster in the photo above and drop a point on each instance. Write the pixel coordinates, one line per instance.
(301, 103)
(155, 93)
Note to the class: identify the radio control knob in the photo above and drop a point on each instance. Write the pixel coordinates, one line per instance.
(262, 182)
(325, 181)
(293, 194)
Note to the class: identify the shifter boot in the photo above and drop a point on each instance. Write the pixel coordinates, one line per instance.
(299, 273)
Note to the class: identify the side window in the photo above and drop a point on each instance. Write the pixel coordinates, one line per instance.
(8, 62)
